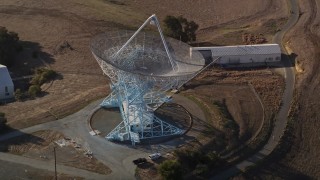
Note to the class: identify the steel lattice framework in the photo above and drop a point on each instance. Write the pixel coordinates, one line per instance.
(143, 67)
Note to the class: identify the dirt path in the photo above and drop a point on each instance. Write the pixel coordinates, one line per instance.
(304, 39)
(86, 25)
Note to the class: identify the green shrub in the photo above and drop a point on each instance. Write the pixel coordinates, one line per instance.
(201, 169)
(188, 157)
(2, 114)
(42, 80)
(171, 170)
(35, 80)
(34, 90)
(18, 94)
(48, 74)
(42, 76)
(198, 162)
(213, 159)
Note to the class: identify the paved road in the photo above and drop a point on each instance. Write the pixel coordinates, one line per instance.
(282, 117)
(116, 156)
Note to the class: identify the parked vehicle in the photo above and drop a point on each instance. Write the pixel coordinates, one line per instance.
(154, 156)
(139, 161)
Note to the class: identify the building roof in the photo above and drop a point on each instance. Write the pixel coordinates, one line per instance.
(5, 79)
(258, 49)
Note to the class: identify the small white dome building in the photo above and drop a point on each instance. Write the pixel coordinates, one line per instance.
(6, 84)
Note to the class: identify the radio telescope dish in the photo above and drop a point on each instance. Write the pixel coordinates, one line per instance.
(143, 67)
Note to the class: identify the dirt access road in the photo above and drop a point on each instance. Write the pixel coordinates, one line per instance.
(304, 155)
(282, 117)
(302, 160)
(77, 21)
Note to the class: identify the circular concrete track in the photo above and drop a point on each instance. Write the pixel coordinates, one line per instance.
(118, 157)
(282, 119)
(106, 119)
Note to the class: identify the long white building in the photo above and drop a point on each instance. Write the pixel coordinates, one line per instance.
(261, 53)
(6, 84)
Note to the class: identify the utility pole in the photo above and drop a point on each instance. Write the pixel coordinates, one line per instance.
(55, 163)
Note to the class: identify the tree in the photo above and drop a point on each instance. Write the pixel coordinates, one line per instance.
(9, 45)
(191, 29)
(173, 27)
(171, 170)
(180, 28)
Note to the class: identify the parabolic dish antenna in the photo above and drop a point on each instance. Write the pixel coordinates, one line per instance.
(143, 68)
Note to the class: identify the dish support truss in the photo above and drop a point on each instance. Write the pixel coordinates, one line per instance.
(137, 100)
(138, 96)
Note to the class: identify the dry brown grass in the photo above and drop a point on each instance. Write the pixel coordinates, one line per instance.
(51, 107)
(206, 13)
(242, 103)
(40, 144)
(30, 142)
(76, 22)
(43, 27)
(28, 172)
(302, 160)
(221, 22)
(300, 157)
(268, 84)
